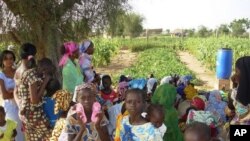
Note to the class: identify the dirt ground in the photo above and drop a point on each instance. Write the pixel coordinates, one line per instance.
(124, 59)
(207, 77)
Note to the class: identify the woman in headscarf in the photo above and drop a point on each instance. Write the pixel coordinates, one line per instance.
(86, 50)
(240, 95)
(165, 95)
(122, 87)
(216, 105)
(71, 72)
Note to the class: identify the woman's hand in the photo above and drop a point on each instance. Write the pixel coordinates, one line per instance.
(99, 119)
(81, 123)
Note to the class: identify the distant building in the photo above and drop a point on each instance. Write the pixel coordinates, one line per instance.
(178, 33)
(157, 31)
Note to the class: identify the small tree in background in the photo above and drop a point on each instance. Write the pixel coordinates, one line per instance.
(203, 31)
(133, 24)
(223, 29)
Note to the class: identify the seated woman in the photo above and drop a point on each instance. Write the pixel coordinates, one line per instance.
(240, 95)
(107, 93)
(216, 105)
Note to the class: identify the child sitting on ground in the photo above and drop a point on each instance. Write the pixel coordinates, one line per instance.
(107, 93)
(7, 127)
(155, 115)
(197, 131)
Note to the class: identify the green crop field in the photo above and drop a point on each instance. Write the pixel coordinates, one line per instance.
(205, 49)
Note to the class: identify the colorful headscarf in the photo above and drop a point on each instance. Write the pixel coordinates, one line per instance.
(63, 99)
(122, 88)
(137, 83)
(84, 46)
(70, 47)
(190, 92)
(216, 105)
(198, 103)
(150, 84)
(165, 95)
(78, 88)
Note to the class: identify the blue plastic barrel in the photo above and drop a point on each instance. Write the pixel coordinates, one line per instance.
(224, 63)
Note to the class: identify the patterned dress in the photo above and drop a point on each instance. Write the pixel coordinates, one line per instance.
(145, 132)
(32, 115)
(73, 127)
(60, 125)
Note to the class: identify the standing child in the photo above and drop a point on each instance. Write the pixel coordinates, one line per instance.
(7, 127)
(134, 126)
(107, 93)
(87, 122)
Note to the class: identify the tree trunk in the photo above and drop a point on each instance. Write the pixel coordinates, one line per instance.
(48, 45)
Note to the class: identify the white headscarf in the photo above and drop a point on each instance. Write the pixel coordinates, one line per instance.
(150, 84)
(166, 80)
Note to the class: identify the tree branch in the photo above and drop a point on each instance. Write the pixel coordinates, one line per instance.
(13, 6)
(65, 6)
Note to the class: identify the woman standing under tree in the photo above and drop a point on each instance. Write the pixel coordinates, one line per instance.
(31, 92)
(7, 85)
(71, 72)
(86, 50)
(27, 51)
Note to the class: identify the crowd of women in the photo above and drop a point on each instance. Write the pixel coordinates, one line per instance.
(86, 107)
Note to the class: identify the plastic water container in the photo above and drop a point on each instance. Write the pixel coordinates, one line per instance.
(224, 63)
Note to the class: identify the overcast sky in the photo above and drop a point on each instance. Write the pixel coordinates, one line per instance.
(171, 14)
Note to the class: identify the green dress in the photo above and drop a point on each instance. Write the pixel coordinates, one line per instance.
(72, 76)
(165, 95)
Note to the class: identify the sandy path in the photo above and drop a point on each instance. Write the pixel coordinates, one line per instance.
(124, 59)
(207, 77)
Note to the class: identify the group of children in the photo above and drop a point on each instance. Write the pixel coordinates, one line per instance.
(87, 107)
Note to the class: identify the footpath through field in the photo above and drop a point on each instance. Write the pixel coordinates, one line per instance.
(207, 77)
(124, 59)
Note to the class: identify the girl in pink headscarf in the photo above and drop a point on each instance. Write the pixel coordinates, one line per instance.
(71, 72)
